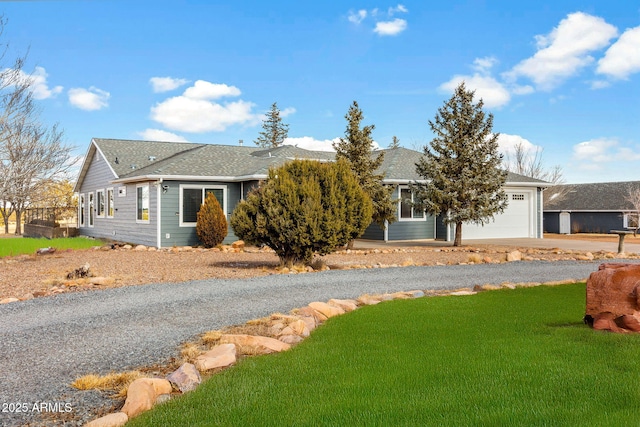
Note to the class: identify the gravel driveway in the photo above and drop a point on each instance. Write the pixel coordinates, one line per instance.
(48, 342)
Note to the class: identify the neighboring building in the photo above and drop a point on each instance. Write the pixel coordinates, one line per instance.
(589, 208)
(149, 193)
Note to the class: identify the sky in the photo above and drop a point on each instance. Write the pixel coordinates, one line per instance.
(562, 78)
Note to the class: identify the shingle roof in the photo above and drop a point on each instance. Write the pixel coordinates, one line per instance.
(139, 159)
(602, 196)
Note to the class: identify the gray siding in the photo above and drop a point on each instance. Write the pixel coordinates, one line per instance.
(411, 230)
(123, 226)
(373, 232)
(171, 233)
(551, 222)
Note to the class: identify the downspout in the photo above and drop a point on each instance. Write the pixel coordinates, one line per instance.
(386, 231)
(159, 214)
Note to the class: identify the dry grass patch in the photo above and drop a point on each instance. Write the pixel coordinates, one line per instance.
(115, 382)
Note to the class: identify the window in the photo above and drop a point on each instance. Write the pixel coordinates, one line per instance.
(122, 191)
(517, 197)
(407, 211)
(110, 209)
(630, 220)
(81, 210)
(100, 203)
(192, 197)
(142, 203)
(91, 209)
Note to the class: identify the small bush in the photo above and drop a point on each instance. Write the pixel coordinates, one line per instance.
(211, 225)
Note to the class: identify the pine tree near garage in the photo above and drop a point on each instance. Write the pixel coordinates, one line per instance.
(462, 168)
(274, 132)
(357, 148)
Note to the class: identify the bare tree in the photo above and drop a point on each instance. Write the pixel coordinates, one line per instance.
(633, 197)
(31, 152)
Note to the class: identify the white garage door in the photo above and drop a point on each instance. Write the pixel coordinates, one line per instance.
(515, 221)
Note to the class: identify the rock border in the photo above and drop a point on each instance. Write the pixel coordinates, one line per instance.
(290, 329)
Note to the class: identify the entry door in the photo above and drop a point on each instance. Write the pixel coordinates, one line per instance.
(565, 223)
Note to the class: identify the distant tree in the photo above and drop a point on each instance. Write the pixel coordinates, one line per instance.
(462, 169)
(395, 142)
(357, 148)
(274, 132)
(304, 207)
(30, 152)
(633, 197)
(211, 224)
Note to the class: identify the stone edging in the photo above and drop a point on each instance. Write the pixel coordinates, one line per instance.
(290, 329)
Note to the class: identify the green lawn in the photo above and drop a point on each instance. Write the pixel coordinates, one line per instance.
(501, 358)
(11, 246)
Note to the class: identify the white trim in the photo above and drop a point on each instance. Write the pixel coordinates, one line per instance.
(82, 211)
(201, 187)
(413, 218)
(91, 206)
(144, 221)
(100, 195)
(110, 203)
(159, 213)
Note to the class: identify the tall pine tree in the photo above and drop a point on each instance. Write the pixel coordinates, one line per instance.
(462, 169)
(274, 132)
(357, 148)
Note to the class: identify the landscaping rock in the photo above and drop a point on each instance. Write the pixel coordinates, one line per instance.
(102, 281)
(345, 304)
(8, 300)
(514, 256)
(369, 299)
(142, 395)
(326, 310)
(297, 327)
(613, 296)
(256, 344)
(290, 339)
(238, 244)
(219, 357)
(117, 419)
(140, 248)
(187, 377)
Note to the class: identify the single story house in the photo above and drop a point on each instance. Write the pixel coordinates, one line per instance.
(589, 208)
(147, 192)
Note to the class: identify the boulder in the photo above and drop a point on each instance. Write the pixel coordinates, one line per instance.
(290, 339)
(186, 378)
(238, 244)
(117, 419)
(219, 357)
(326, 310)
(102, 281)
(514, 256)
(255, 344)
(142, 395)
(613, 298)
(8, 300)
(297, 327)
(369, 299)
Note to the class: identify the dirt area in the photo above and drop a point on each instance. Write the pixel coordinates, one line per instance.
(28, 276)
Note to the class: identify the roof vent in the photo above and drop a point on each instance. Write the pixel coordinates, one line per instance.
(240, 142)
(152, 158)
(117, 161)
(133, 166)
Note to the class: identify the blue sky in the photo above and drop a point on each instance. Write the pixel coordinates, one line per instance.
(559, 76)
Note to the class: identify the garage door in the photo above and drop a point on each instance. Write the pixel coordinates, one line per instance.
(515, 221)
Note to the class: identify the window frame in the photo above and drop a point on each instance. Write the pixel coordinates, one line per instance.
(82, 209)
(626, 217)
(139, 219)
(203, 188)
(100, 204)
(423, 217)
(110, 210)
(91, 210)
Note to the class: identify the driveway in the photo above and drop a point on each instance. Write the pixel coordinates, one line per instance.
(48, 342)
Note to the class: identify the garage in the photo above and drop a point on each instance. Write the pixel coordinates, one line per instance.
(516, 221)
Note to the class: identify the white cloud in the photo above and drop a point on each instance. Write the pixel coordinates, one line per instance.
(492, 92)
(287, 112)
(357, 17)
(37, 81)
(89, 99)
(623, 57)
(484, 65)
(507, 145)
(194, 111)
(398, 9)
(604, 150)
(207, 90)
(165, 84)
(565, 51)
(390, 28)
(160, 135)
(600, 84)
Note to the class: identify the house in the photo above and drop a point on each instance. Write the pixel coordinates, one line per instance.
(589, 208)
(149, 193)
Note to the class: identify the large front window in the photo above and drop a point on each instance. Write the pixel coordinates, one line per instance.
(100, 202)
(142, 204)
(81, 210)
(408, 212)
(110, 208)
(192, 197)
(91, 209)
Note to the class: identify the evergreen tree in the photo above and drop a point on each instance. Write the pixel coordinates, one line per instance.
(395, 142)
(211, 224)
(274, 132)
(462, 169)
(304, 207)
(357, 148)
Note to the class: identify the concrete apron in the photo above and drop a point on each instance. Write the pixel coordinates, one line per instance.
(576, 245)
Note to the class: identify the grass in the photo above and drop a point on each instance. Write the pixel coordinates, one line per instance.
(501, 358)
(12, 246)
(117, 383)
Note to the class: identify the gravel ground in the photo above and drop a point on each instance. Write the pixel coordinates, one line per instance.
(48, 342)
